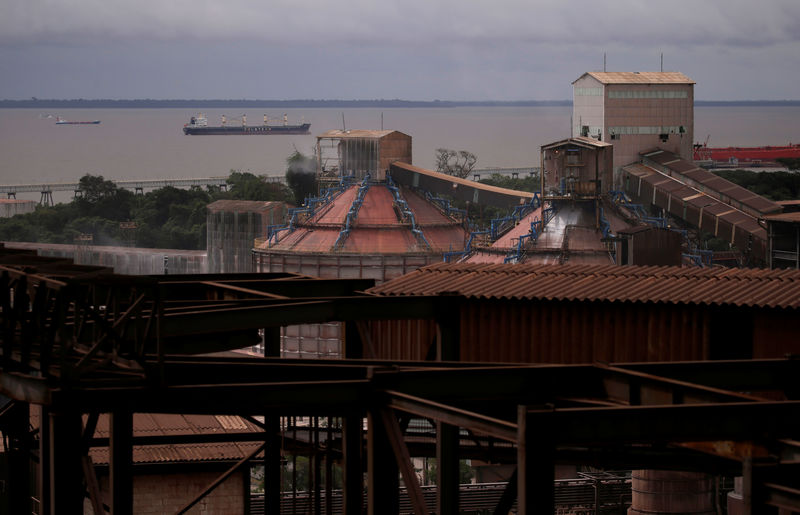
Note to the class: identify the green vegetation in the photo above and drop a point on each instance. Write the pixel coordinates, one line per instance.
(772, 185)
(165, 218)
(789, 162)
(530, 183)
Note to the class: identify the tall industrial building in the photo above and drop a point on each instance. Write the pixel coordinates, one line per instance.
(636, 112)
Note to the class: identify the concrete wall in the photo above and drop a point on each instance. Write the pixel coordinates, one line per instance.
(649, 112)
(11, 207)
(588, 104)
(124, 260)
(232, 228)
(603, 107)
(157, 494)
(324, 340)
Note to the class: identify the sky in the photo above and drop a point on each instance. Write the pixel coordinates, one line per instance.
(385, 49)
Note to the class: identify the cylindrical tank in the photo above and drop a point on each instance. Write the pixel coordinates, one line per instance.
(666, 492)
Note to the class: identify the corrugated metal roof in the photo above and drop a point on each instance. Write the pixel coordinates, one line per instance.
(784, 217)
(377, 228)
(670, 285)
(577, 140)
(639, 77)
(150, 424)
(709, 204)
(681, 167)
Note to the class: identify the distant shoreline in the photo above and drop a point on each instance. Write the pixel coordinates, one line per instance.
(211, 104)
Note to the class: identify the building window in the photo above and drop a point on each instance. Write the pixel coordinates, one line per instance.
(655, 129)
(647, 94)
(588, 92)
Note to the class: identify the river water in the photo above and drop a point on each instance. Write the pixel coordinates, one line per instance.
(149, 143)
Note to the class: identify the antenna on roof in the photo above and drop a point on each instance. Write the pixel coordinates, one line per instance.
(604, 62)
(381, 120)
(662, 61)
(344, 127)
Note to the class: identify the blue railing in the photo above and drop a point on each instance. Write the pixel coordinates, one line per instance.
(405, 211)
(310, 205)
(500, 225)
(352, 214)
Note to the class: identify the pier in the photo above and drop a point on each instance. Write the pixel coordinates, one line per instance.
(138, 186)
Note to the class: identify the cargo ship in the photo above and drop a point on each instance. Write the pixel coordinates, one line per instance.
(754, 156)
(199, 125)
(61, 121)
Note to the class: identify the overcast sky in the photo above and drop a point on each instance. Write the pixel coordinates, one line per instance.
(371, 49)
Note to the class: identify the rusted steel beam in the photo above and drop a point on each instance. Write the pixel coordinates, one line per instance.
(219, 480)
(447, 469)
(403, 459)
(457, 417)
(353, 474)
(734, 375)
(781, 496)
(382, 472)
(121, 462)
(535, 463)
(506, 501)
(324, 397)
(690, 422)
(660, 390)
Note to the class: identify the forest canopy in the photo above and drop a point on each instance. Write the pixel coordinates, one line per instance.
(168, 218)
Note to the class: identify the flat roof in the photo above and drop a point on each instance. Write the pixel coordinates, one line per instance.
(638, 77)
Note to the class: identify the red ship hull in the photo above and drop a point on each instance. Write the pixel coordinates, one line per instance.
(762, 154)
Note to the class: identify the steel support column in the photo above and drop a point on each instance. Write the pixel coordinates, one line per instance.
(66, 467)
(19, 489)
(382, 472)
(535, 466)
(353, 488)
(121, 462)
(44, 460)
(447, 471)
(272, 440)
(272, 464)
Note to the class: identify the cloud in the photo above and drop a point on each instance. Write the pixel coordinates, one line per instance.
(409, 22)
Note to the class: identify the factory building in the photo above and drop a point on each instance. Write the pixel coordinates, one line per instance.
(362, 226)
(356, 153)
(635, 111)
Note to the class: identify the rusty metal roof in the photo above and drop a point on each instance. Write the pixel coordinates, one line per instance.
(359, 134)
(151, 424)
(577, 140)
(682, 168)
(377, 228)
(784, 217)
(638, 77)
(670, 285)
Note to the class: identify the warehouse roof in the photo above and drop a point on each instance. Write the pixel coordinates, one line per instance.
(581, 141)
(638, 77)
(672, 285)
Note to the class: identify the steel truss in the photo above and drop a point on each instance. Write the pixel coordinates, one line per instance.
(79, 340)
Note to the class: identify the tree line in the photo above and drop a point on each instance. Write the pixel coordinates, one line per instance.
(169, 217)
